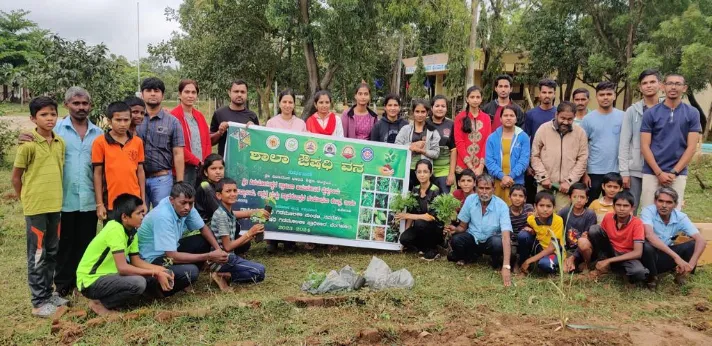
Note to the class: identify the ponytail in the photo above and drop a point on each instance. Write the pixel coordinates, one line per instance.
(466, 123)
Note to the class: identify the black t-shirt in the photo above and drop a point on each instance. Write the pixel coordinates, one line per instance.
(576, 225)
(226, 114)
(445, 130)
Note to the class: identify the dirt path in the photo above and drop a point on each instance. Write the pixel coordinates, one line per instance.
(19, 122)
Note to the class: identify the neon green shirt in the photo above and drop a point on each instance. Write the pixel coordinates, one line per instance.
(98, 259)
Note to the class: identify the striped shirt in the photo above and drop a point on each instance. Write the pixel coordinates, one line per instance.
(223, 223)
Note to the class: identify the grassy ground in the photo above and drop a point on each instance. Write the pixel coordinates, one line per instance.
(454, 304)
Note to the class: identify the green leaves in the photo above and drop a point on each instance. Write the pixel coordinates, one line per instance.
(445, 207)
(417, 81)
(403, 202)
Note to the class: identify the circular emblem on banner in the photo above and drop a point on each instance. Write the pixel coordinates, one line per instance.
(310, 147)
(348, 152)
(273, 142)
(367, 154)
(291, 144)
(330, 149)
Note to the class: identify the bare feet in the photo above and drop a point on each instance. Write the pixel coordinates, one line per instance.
(220, 280)
(100, 309)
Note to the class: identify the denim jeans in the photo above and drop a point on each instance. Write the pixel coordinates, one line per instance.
(465, 248)
(527, 245)
(242, 270)
(158, 188)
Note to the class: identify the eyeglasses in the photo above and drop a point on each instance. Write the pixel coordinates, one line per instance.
(675, 84)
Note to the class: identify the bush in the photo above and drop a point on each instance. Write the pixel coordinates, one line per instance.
(8, 138)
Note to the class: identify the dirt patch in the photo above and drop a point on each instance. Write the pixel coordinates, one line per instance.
(19, 122)
(67, 331)
(507, 330)
(306, 301)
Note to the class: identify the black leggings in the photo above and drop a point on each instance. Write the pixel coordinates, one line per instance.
(422, 236)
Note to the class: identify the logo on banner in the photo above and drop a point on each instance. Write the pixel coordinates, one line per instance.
(273, 142)
(291, 144)
(330, 150)
(367, 154)
(348, 152)
(310, 147)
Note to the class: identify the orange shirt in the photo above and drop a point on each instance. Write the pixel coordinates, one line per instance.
(120, 164)
(622, 239)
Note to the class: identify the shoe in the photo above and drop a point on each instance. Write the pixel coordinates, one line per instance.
(431, 255)
(45, 310)
(652, 283)
(58, 301)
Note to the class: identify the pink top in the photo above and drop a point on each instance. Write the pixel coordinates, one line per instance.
(295, 124)
(364, 124)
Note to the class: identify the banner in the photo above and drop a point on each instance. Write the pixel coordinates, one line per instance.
(327, 190)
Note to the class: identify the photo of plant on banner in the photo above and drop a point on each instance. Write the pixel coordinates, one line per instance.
(322, 189)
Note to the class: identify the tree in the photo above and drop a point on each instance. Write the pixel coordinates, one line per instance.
(215, 48)
(551, 38)
(417, 81)
(19, 40)
(67, 63)
(681, 44)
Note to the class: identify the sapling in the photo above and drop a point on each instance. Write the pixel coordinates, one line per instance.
(403, 202)
(260, 217)
(445, 207)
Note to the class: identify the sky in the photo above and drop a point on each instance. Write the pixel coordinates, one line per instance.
(112, 22)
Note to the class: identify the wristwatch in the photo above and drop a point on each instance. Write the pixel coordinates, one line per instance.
(507, 266)
(673, 171)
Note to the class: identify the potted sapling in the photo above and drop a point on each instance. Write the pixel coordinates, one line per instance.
(261, 218)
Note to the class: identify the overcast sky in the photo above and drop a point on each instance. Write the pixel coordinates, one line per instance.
(112, 22)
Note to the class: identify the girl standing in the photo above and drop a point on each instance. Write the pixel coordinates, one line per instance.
(444, 165)
(324, 121)
(387, 128)
(422, 138)
(358, 120)
(507, 154)
(472, 127)
(286, 120)
(423, 232)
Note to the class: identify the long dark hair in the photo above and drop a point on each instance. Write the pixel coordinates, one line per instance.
(318, 95)
(422, 102)
(202, 176)
(370, 111)
(466, 123)
(287, 92)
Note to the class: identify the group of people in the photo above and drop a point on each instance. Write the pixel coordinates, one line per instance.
(495, 158)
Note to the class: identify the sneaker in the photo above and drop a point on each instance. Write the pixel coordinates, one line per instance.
(58, 301)
(45, 310)
(431, 255)
(651, 283)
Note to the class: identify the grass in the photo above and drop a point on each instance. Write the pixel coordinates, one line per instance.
(443, 294)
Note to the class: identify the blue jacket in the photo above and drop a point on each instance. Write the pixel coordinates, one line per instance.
(518, 155)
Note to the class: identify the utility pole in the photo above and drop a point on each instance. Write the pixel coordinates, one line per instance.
(138, 52)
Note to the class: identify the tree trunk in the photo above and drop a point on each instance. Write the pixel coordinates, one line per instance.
(570, 85)
(309, 55)
(694, 103)
(470, 76)
(264, 95)
(397, 67)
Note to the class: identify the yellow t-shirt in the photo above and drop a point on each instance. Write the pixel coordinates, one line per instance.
(542, 231)
(42, 179)
(601, 208)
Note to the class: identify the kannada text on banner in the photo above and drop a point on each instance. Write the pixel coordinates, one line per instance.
(327, 190)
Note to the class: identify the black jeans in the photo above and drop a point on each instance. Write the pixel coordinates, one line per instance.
(636, 270)
(531, 186)
(660, 262)
(197, 244)
(464, 248)
(77, 229)
(42, 247)
(596, 187)
(423, 236)
(115, 290)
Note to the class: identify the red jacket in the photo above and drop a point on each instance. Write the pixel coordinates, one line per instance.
(204, 135)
